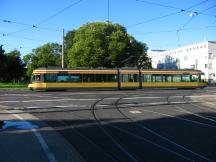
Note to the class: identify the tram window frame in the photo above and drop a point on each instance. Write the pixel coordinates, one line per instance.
(36, 78)
(52, 77)
(129, 78)
(147, 78)
(100, 77)
(63, 78)
(186, 78)
(112, 78)
(124, 78)
(88, 78)
(76, 78)
(176, 78)
(195, 78)
(158, 78)
(135, 77)
(153, 78)
(167, 78)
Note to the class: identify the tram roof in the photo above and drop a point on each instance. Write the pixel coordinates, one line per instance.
(114, 70)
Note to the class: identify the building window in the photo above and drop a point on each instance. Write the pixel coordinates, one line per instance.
(206, 65)
(210, 66)
(210, 56)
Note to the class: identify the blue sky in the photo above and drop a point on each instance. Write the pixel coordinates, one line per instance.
(161, 24)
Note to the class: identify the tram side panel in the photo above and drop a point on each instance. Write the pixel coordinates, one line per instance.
(172, 81)
(129, 79)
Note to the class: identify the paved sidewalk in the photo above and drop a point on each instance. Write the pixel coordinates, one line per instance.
(23, 138)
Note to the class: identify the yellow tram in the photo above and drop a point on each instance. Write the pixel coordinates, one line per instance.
(56, 78)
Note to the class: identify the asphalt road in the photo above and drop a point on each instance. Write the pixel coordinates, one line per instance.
(126, 126)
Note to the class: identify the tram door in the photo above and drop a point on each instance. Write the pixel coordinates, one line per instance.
(129, 80)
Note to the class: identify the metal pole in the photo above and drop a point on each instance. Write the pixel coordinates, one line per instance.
(178, 41)
(108, 6)
(62, 49)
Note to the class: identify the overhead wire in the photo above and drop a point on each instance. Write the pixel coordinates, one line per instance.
(59, 12)
(31, 26)
(42, 21)
(167, 15)
(20, 37)
(174, 30)
(158, 4)
(193, 16)
(154, 19)
(176, 8)
(26, 24)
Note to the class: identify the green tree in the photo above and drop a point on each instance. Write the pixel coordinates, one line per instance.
(103, 44)
(3, 64)
(12, 68)
(15, 66)
(68, 44)
(46, 55)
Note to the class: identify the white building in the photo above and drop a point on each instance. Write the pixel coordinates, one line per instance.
(200, 56)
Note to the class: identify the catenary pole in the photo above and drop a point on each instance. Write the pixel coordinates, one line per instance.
(62, 59)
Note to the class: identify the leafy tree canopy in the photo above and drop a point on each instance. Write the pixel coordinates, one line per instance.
(15, 66)
(103, 44)
(3, 63)
(12, 68)
(46, 55)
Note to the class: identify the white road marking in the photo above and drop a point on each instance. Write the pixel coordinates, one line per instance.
(206, 108)
(135, 112)
(51, 100)
(41, 140)
(201, 96)
(133, 98)
(8, 101)
(189, 112)
(60, 106)
(93, 99)
(70, 106)
(211, 103)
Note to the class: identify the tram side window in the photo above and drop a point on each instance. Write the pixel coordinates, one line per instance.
(125, 78)
(50, 77)
(63, 78)
(176, 78)
(111, 78)
(185, 78)
(100, 77)
(194, 78)
(167, 78)
(135, 78)
(147, 78)
(88, 78)
(36, 78)
(76, 78)
(158, 78)
(129, 78)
